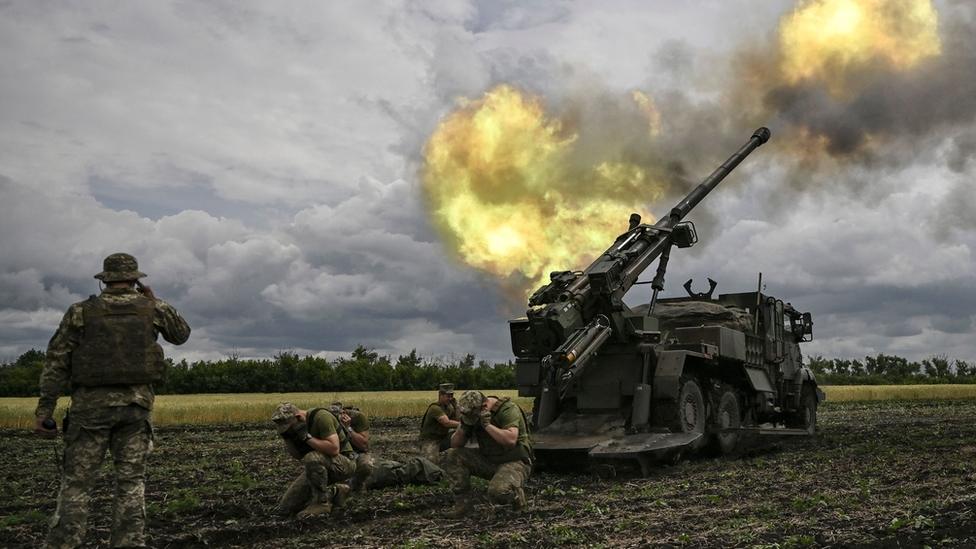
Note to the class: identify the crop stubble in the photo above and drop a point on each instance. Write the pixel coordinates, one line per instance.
(878, 474)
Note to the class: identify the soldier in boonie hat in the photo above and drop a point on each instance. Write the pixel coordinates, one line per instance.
(120, 267)
(283, 416)
(107, 358)
(439, 422)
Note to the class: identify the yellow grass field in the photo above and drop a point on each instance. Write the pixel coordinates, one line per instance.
(253, 407)
(249, 407)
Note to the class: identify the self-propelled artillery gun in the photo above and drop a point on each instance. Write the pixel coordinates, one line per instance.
(612, 382)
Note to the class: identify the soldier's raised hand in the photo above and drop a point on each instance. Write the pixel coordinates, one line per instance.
(485, 418)
(145, 290)
(300, 431)
(469, 420)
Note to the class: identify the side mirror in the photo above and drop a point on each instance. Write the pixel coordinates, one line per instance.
(683, 235)
(807, 321)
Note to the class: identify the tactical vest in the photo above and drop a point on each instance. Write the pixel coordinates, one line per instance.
(119, 344)
(343, 434)
(437, 431)
(495, 452)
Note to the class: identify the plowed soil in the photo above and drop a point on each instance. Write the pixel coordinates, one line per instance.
(876, 475)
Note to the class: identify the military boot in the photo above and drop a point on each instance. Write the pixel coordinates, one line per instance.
(341, 495)
(357, 484)
(519, 503)
(462, 507)
(315, 509)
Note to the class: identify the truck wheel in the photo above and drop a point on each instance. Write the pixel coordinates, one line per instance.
(805, 416)
(727, 415)
(692, 415)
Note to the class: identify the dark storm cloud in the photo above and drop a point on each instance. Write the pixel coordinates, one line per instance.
(262, 164)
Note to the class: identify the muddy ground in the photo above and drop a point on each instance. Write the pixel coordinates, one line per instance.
(878, 475)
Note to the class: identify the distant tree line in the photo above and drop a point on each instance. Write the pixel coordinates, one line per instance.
(891, 370)
(367, 370)
(363, 370)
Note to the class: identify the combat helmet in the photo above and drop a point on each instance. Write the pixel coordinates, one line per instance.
(470, 404)
(283, 416)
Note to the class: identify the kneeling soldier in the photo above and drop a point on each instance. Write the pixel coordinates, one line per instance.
(504, 453)
(316, 438)
(439, 422)
(356, 424)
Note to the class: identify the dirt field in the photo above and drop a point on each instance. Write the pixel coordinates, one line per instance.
(878, 474)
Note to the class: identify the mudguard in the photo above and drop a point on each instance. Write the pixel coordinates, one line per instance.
(807, 376)
(667, 374)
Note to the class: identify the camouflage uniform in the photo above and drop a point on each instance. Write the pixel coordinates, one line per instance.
(113, 417)
(318, 484)
(416, 470)
(358, 423)
(507, 469)
(434, 437)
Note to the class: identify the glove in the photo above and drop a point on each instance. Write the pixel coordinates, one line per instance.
(485, 418)
(469, 420)
(299, 432)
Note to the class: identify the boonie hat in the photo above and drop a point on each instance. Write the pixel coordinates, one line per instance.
(120, 267)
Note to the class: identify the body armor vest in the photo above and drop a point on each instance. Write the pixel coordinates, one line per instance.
(438, 431)
(495, 452)
(119, 344)
(303, 447)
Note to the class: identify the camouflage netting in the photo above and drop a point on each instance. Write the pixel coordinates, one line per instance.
(698, 313)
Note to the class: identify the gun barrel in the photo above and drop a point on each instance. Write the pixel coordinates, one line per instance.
(649, 250)
(645, 250)
(759, 137)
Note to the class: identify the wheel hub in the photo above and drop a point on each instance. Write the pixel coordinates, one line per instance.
(691, 414)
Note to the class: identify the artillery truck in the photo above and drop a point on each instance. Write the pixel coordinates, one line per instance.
(653, 382)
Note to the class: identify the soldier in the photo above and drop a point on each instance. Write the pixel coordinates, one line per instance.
(413, 471)
(105, 352)
(440, 420)
(356, 424)
(317, 439)
(504, 453)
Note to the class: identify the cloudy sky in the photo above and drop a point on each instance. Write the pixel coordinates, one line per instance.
(263, 162)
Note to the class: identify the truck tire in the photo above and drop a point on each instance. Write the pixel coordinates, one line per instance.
(727, 414)
(691, 414)
(805, 417)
